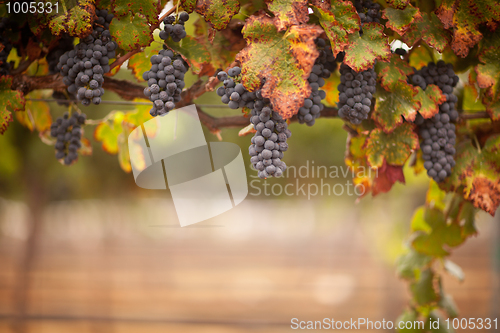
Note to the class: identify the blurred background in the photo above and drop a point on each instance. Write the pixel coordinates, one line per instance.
(84, 250)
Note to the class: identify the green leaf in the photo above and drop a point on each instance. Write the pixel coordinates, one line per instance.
(408, 265)
(131, 32)
(338, 21)
(149, 8)
(477, 174)
(76, 21)
(399, 20)
(429, 100)
(431, 241)
(390, 107)
(430, 30)
(283, 59)
(423, 289)
(363, 51)
(218, 12)
(288, 13)
(194, 52)
(395, 148)
(10, 101)
(140, 62)
(466, 17)
(390, 73)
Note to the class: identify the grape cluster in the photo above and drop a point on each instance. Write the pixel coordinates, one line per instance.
(83, 68)
(438, 132)
(368, 11)
(175, 30)
(7, 47)
(355, 93)
(312, 106)
(269, 141)
(68, 132)
(64, 45)
(232, 93)
(165, 81)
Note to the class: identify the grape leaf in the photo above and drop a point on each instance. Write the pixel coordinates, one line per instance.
(430, 99)
(284, 60)
(222, 48)
(390, 73)
(131, 32)
(10, 101)
(466, 17)
(188, 5)
(195, 53)
(76, 20)
(36, 115)
(338, 21)
(149, 8)
(400, 4)
(477, 172)
(394, 148)
(386, 177)
(423, 289)
(390, 106)
(420, 56)
(488, 72)
(430, 29)
(432, 232)
(400, 20)
(363, 51)
(107, 132)
(408, 265)
(218, 12)
(288, 13)
(140, 62)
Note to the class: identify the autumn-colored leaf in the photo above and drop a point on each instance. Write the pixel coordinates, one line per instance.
(363, 51)
(400, 20)
(149, 8)
(195, 53)
(390, 107)
(10, 101)
(140, 62)
(284, 60)
(393, 148)
(218, 12)
(288, 13)
(76, 21)
(477, 172)
(338, 20)
(386, 177)
(188, 5)
(430, 99)
(107, 132)
(400, 4)
(420, 56)
(429, 29)
(466, 17)
(131, 32)
(390, 73)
